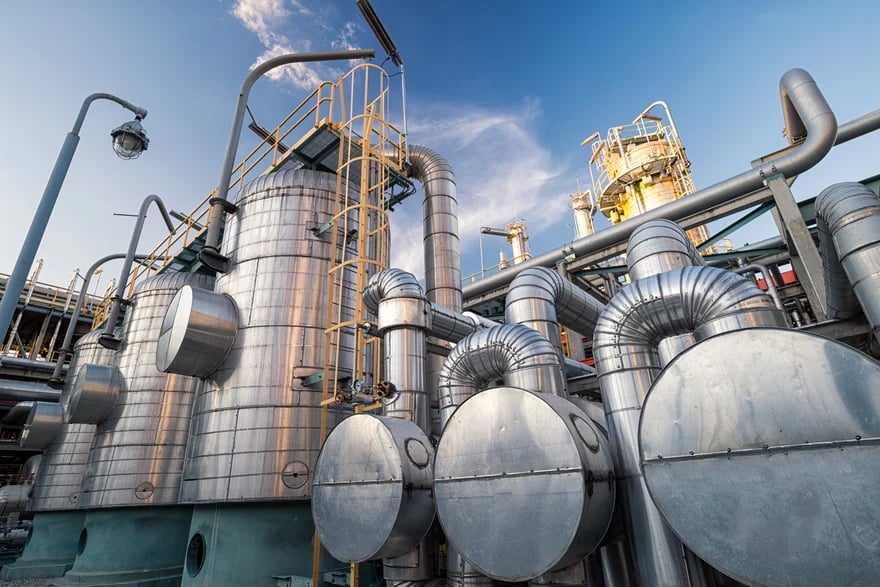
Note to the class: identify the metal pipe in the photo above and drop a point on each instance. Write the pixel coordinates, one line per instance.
(77, 309)
(18, 413)
(210, 254)
(659, 246)
(516, 353)
(796, 88)
(768, 279)
(13, 390)
(703, 300)
(541, 299)
(26, 364)
(857, 127)
(108, 339)
(848, 218)
(28, 251)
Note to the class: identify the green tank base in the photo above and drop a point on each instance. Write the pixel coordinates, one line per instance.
(134, 547)
(51, 547)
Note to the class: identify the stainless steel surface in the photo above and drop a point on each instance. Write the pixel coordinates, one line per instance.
(137, 452)
(523, 482)
(197, 332)
(659, 246)
(93, 395)
(43, 425)
(255, 424)
(672, 346)
(512, 352)
(699, 300)
(59, 478)
(440, 227)
(616, 566)
(415, 565)
(18, 413)
(799, 91)
(848, 215)
(770, 472)
(15, 390)
(541, 299)
(13, 498)
(768, 281)
(372, 488)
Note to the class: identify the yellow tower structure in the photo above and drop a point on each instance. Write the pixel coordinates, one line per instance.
(641, 166)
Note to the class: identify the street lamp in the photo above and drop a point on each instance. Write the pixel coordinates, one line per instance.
(129, 141)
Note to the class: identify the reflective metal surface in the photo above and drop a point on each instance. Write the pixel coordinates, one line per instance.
(769, 472)
(255, 424)
(372, 488)
(13, 498)
(197, 332)
(59, 478)
(702, 300)
(93, 395)
(42, 427)
(659, 246)
(523, 483)
(137, 452)
(541, 299)
(848, 215)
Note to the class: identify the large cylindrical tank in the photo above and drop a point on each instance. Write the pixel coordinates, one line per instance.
(256, 426)
(61, 471)
(137, 452)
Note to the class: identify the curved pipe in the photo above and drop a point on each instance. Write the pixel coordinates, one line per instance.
(659, 246)
(77, 309)
(541, 299)
(800, 92)
(768, 280)
(210, 254)
(107, 339)
(440, 227)
(516, 353)
(702, 300)
(848, 218)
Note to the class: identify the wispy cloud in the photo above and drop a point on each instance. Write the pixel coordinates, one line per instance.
(274, 21)
(503, 173)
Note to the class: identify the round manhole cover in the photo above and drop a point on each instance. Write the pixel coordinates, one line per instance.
(417, 452)
(144, 490)
(295, 474)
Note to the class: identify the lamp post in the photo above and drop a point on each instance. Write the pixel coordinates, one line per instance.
(210, 254)
(129, 141)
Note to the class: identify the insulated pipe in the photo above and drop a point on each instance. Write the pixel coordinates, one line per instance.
(210, 254)
(541, 299)
(800, 92)
(13, 390)
(107, 339)
(26, 364)
(397, 298)
(703, 300)
(768, 280)
(516, 353)
(848, 218)
(659, 246)
(64, 352)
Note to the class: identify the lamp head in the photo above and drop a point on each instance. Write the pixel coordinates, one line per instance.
(130, 139)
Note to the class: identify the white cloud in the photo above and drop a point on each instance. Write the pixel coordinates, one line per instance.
(503, 173)
(268, 19)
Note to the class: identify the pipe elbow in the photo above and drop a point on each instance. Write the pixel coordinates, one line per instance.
(390, 283)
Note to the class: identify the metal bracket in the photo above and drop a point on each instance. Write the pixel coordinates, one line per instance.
(227, 206)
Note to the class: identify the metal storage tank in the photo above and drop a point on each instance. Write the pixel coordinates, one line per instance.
(255, 432)
(57, 523)
(132, 478)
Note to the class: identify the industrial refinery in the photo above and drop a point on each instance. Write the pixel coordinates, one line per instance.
(263, 399)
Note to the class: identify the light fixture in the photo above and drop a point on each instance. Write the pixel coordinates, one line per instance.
(130, 139)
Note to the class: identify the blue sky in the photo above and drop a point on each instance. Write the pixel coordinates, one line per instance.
(505, 90)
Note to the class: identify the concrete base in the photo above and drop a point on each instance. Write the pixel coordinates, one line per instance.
(51, 547)
(134, 547)
(250, 544)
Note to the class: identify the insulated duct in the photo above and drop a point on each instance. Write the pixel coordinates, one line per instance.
(800, 97)
(703, 300)
(848, 218)
(658, 246)
(541, 299)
